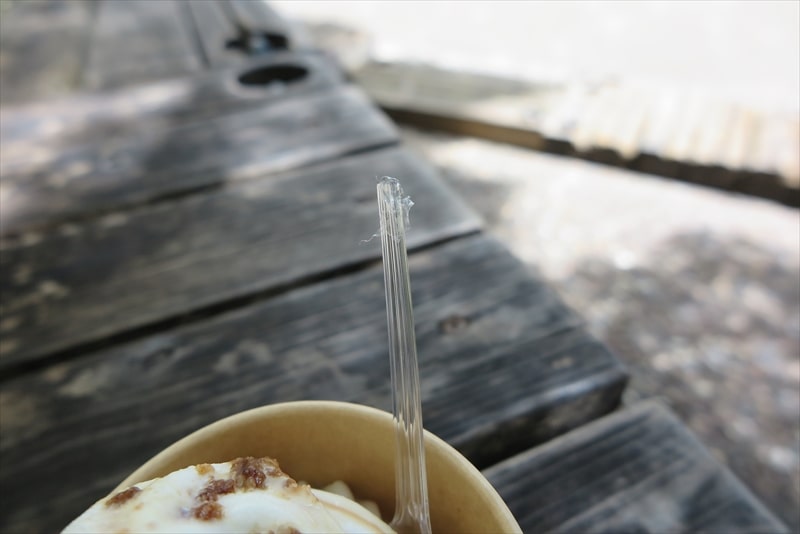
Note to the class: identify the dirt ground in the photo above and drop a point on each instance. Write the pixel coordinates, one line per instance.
(697, 291)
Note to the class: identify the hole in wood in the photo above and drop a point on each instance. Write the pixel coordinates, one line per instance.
(263, 76)
(450, 324)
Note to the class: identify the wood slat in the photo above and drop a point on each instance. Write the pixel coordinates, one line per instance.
(499, 355)
(118, 165)
(684, 136)
(462, 103)
(88, 117)
(240, 33)
(133, 42)
(121, 271)
(259, 19)
(42, 48)
(216, 32)
(255, 15)
(639, 471)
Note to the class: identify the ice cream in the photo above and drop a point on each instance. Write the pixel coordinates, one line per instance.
(244, 495)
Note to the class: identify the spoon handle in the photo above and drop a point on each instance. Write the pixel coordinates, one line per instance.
(411, 488)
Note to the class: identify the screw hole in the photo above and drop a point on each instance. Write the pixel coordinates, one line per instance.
(263, 76)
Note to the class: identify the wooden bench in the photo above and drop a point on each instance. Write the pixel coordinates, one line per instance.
(637, 471)
(711, 142)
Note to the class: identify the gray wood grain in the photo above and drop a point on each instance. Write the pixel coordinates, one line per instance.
(87, 117)
(106, 167)
(258, 18)
(499, 354)
(134, 42)
(637, 471)
(707, 142)
(93, 279)
(235, 33)
(42, 48)
(216, 32)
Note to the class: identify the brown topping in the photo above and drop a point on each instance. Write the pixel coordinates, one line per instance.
(208, 511)
(249, 472)
(208, 508)
(123, 496)
(203, 469)
(246, 473)
(214, 489)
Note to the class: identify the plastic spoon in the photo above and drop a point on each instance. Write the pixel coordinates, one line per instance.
(411, 488)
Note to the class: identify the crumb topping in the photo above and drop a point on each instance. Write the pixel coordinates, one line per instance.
(208, 511)
(215, 488)
(208, 508)
(123, 496)
(203, 469)
(245, 474)
(251, 473)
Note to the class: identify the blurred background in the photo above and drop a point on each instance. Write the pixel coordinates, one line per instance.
(740, 51)
(685, 270)
(643, 157)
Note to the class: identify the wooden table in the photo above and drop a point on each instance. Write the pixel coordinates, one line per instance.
(183, 237)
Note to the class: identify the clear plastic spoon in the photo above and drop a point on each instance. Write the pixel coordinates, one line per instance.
(411, 487)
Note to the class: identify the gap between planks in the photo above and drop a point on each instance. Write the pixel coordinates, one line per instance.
(199, 315)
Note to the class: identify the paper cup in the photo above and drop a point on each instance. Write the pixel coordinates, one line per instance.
(322, 441)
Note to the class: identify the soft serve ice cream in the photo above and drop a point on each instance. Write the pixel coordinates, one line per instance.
(245, 495)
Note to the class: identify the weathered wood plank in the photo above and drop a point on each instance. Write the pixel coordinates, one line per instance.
(216, 32)
(682, 136)
(97, 278)
(68, 121)
(499, 354)
(462, 103)
(104, 169)
(134, 42)
(264, 28)
(639, 470)
(42, 48)
(239, 33)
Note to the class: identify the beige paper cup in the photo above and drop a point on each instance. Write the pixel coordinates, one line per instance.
(323, 441)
